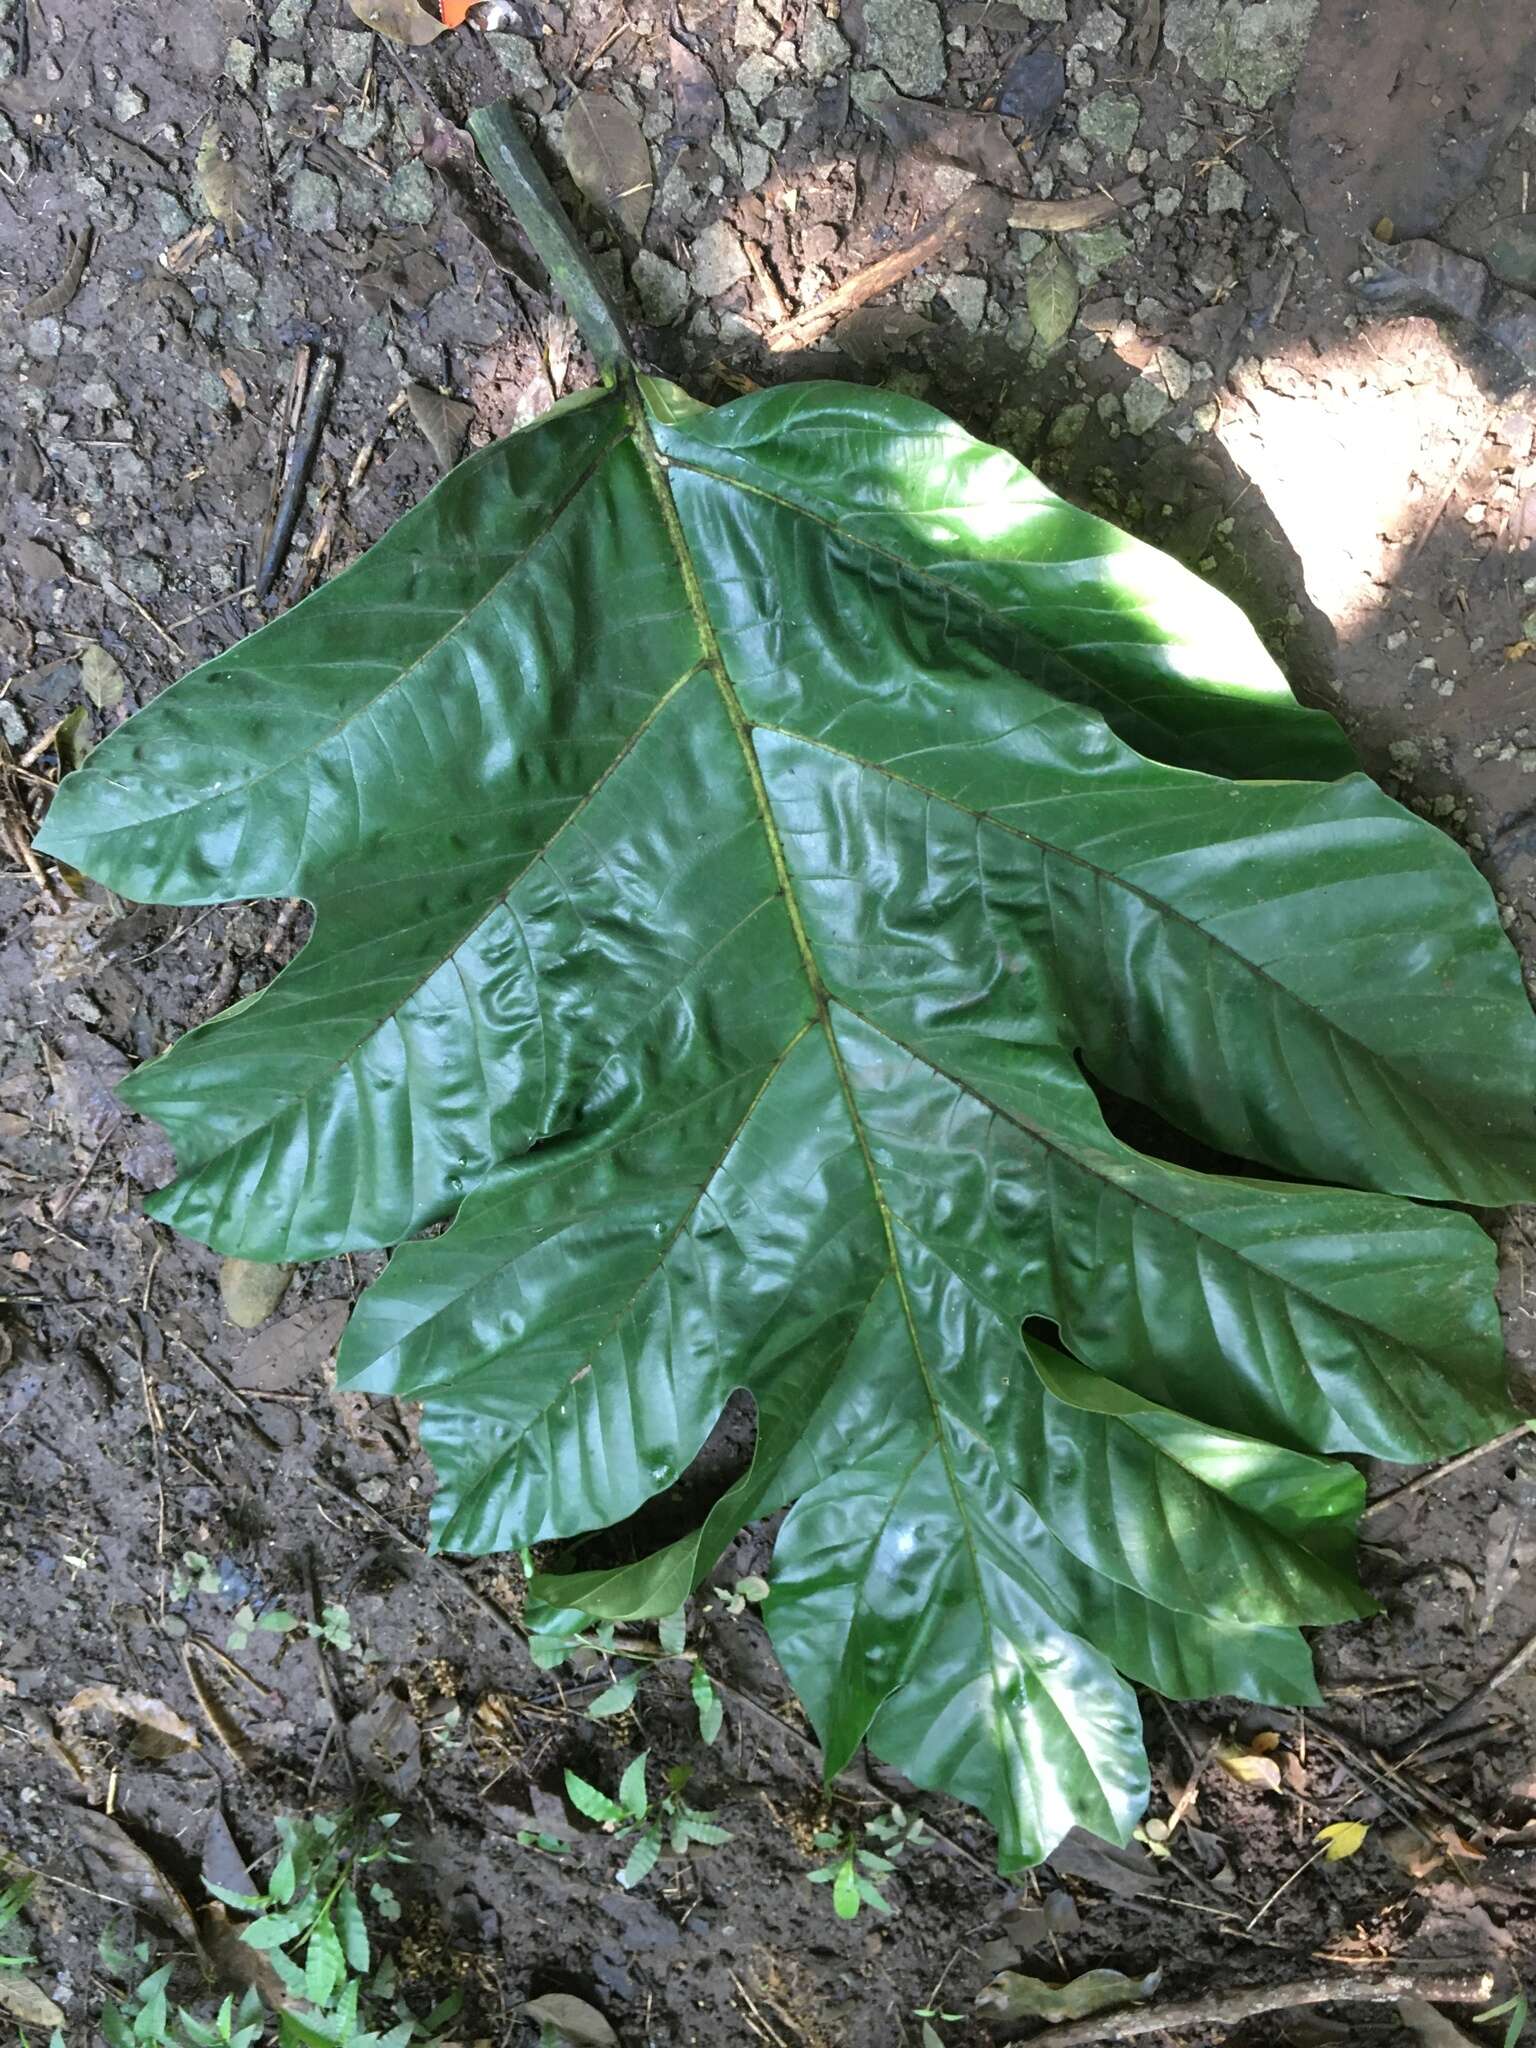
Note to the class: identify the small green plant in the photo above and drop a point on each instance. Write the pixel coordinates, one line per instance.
(12, 1900)
(1516, 2010)
(311, 1926)
(852, 1867)
(555, 1634)
(334, 1627)
(671, 1821)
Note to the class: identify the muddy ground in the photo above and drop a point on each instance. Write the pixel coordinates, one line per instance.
(1245, 381)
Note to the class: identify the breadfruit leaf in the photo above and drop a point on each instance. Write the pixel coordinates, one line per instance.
(740, 840)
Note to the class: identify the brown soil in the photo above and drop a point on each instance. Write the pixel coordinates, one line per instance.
(1361, 479)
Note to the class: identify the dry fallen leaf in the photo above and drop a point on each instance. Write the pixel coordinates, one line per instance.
(220, 181)
(609, 158)
(128, 1872)
(103, 679)
(1249, 1766)
(1419, 1851)
(162, 1731)
(401, 20)
(573, 2020)
(26, 2004)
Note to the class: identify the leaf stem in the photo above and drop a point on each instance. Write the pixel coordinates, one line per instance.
(505, 152)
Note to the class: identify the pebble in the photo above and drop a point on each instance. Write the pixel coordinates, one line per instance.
(719, 261)
(823, 46)
(1145, 402)
(1111, 120)
(968, 297)
(661, 288)
(314, 203)
(409, 196)
(1225, 191)
(906, 39)
(519, 59)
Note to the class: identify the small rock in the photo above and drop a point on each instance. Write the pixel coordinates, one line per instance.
(752, 29)
(1225, 190)
(361, 127)
(968, 296)
(409, 196)
(755, 166)
(44, 338)
(240, 62)
(1095, 250)
(349, 54)
(286, 20)
(1167, 200)
(719, 261)
(519, 59)
(1102, 30)
(314, 203)
(285, 75)
(1145, 403)
(1067, 426)
(1170, 370)
(906, 39)
(171, 217)
(129, 104)
(661, 288)
(373, 1490)
(1111, 120)
(823, 46)
(756, 77)
(101, 395)
(251, 1292)
(1076, 157)
(1044, 10)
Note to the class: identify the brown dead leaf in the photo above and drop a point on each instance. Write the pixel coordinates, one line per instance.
(161, 1730)
(697, 108)
(58, 296)
(401, 20)
(1420, 1851)
(609, 158)
(125, 1871)
(220, 181)
(27, 2004)
(572, 2019)
(102, 676)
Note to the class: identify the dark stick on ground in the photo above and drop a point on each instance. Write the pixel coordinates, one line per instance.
(1230, 2008)
(301, 455)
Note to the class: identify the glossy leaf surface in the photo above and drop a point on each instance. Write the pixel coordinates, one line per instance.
(736, 837)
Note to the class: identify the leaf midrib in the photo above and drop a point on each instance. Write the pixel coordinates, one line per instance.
(656, 465)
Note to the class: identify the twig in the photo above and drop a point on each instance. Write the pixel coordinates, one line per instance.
(327, 1681)
(1067, 216)
(981, 204)
(301, 455)
(153, 1418)
(801, 329)
(1229, 2008)
(1417, 1485)
(1466, 1709)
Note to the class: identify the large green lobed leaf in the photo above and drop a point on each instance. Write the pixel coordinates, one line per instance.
(736, 839)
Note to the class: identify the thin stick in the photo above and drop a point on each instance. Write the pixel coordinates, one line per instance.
(301, 455)
(1230, 2008)
(982, 202)
(328, 1683)
(1412, 1486)
(802, 329)
(1461, 1714)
